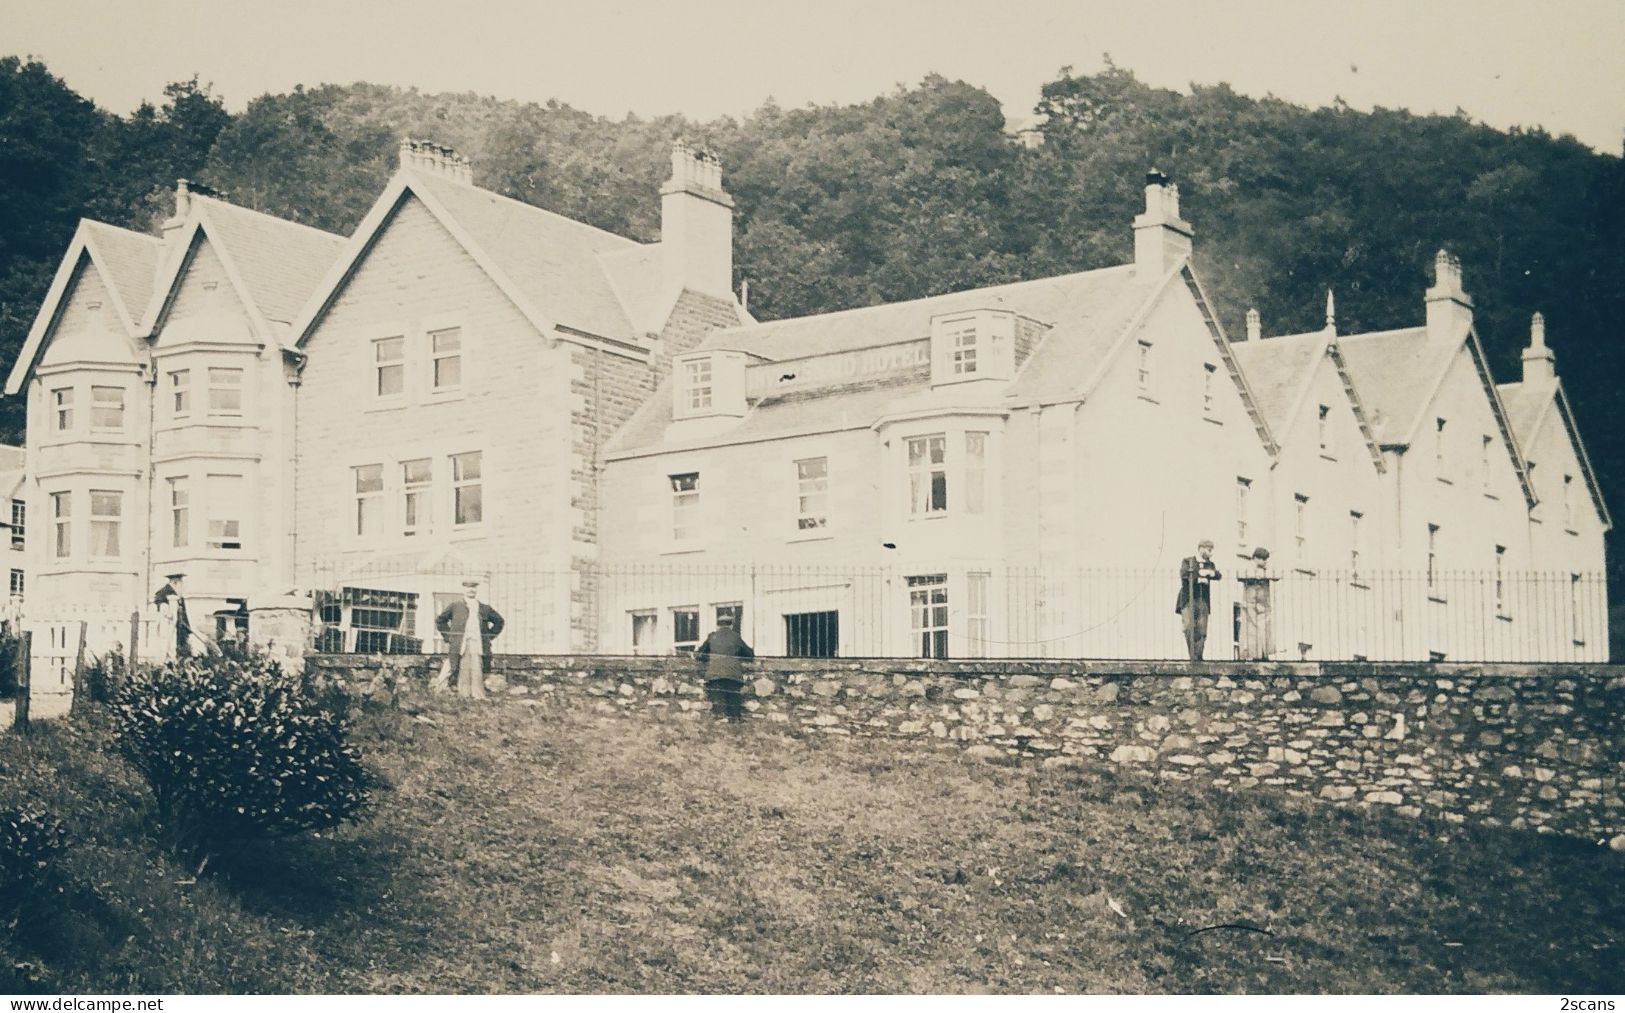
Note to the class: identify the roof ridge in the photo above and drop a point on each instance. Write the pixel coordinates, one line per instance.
(121, 230)
(420, 176)
(853, 310)
(239, 208)
(1381, 334)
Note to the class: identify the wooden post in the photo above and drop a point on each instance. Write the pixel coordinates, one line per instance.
(25, 647)
(77, 689)
(135, 640)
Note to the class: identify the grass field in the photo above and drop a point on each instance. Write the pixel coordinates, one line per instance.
(514, 850)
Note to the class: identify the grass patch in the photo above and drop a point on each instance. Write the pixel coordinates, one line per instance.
(517, 849)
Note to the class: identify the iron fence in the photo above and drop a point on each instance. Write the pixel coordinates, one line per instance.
(970, 611)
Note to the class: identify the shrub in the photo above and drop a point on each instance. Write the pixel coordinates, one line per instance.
(235, 749)
(10, 645)
(104, 674)
(30, 841)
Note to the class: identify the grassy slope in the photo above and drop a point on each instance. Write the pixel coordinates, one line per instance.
(522, 851)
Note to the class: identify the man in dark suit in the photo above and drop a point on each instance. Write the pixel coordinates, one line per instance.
(467, 660)
(1196, 575)
(170, 595)
(722, 657)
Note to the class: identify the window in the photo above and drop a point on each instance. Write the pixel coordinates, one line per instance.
(225, 512)
(1210, 405)
(812, 493)
(732, 610)
(1324, 429)
(16, 583)
(962, 349)
(417, 505)
(976, 621)
(1500, 580)
(180, 392)
(62, 520)
(1145, 367)
(1578, 635)
(685, 506)
(1438, 450)
(1300, 522)
(467, 503)
(225, 391)
(446, 351)
(180, 511)
(1433, 558)
(685, 629)
(644, 628)
(1244, 488)
(389, 366)
(697, 382)
(1484, 465)
(1355, 517)
(975, 472)
(107, 408)
(1568, 502)
(927, 474)
(19, 519)
(928, 612)
(106, 514)
(369, 499)
(62, 401)
(812, 634)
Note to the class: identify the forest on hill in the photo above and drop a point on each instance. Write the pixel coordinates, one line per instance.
(913, 193)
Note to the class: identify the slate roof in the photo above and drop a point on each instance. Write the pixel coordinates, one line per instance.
(1524, 405)
(1395, 372)
(1277, 370)
(129, 262)
(553, 260)
(280, 262)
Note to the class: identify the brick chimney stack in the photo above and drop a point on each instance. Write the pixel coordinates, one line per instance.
(1449, 308)
(1539, 364)
(696, 224)
(436, 160)
(1255, 326)
(1161, 237)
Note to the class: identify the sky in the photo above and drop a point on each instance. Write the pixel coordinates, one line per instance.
(1556, 64)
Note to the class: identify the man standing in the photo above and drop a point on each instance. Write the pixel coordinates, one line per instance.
(468, 657)
(722, 657)
(1196, 575)
(170, 595)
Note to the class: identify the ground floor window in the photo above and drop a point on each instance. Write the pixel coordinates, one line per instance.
(645, 625)
(812, 634)
(367, 621)
(928, 614)
(17, 583)
(685, 629)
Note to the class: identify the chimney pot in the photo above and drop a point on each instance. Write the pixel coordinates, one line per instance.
(437, 160)
(1539, 364)
(1255, 326)
(1449, 307)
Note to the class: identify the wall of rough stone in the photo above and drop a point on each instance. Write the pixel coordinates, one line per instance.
(1538, 746)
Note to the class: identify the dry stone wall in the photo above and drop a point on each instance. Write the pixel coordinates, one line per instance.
(1518, 745)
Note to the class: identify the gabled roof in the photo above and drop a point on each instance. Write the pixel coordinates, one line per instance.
(552, 268)
(272, 263)
(1398, 374)
(1280, 371)
(1528, 408)
(126, 262)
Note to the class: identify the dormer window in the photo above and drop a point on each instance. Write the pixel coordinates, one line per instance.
(978, 345)
(708, 383)
(697, 378)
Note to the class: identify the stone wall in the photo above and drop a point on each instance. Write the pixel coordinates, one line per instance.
(1519, 745)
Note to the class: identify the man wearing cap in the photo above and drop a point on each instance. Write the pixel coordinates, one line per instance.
(722, 657)
(468, 659)
(170, 595)
(1196, 575)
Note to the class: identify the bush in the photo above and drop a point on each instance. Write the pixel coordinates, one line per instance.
(235, 750)
(104, 674)
(10, 645)
(30, 841)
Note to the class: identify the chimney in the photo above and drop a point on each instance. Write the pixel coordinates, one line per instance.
(1331, 312)
(696, 224)
(433, 159)
(1161, 237)
(1449, 309)
(1539, 365)
(1255, 326)
(183, 207)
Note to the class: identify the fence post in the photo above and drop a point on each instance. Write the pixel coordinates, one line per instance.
(78, 669)
(25, 647)
(135, 639)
